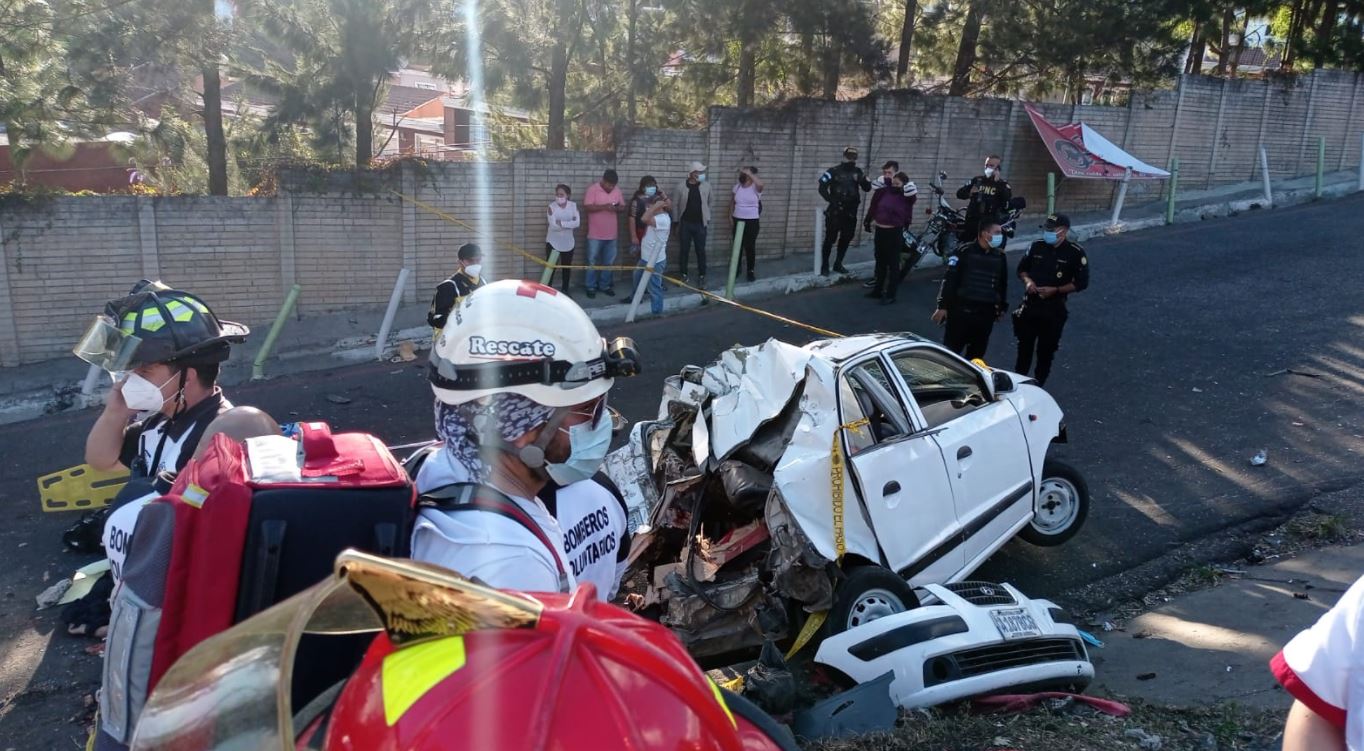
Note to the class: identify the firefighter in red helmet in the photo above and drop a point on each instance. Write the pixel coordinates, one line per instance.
(458, 666)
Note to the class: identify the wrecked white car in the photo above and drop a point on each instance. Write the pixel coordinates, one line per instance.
(980, 638)
(830, 480)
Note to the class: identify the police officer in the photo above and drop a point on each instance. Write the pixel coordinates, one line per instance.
(1053, 269)
(841, 187)
(458, 286)
(974, 292)
(989, 195)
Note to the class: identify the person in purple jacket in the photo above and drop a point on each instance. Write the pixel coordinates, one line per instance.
(891, 211)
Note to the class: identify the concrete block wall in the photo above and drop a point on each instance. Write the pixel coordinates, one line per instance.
(344, 235)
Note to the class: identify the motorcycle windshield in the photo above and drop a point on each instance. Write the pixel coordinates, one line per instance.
(106, 346)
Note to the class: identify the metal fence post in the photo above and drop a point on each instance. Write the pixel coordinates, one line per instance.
(1361, 161)
(547, 275)
(394, 301)
(1174, 188)
(1264, 175)
(1122, 196)
(258, 365)
(819, 240)
(1051, 193)
(1321, 163)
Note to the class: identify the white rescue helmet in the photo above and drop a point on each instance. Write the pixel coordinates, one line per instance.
(522, 337)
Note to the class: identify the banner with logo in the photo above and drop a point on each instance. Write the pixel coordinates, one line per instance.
(1081, 152)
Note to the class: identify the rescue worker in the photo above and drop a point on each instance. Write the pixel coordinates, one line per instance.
(841, 187)
(974, 292)
(164, 348)
(520, 378)
(1053, 269)
(592, 514)
(989, 195)
(459, 666)
(468, 278)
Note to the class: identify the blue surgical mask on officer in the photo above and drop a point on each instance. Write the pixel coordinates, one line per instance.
(1049, 237)
(588, 444)
(996, 240)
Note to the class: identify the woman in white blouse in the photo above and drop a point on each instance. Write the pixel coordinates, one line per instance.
(563, 219)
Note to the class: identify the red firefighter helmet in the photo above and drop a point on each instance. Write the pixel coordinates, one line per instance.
(459, 666)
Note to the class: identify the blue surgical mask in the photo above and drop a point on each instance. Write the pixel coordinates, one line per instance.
(1049, 237)
(701, 177)
(650, 191)
(996, 240)
(587, 450)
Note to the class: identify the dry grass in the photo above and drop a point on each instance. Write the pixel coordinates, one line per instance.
(1224, 728)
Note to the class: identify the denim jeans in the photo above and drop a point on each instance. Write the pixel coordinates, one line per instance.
(692, 234)
(600, 253)
(655, 284)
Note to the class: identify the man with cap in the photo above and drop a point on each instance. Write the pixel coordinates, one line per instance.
(691, 215)
(468, 278)
(989, 195)
(520, 377)
(1053, 268)
(841, 187)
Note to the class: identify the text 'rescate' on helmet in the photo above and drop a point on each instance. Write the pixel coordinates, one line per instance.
(457, 665)
(155, 323)
(526, 338)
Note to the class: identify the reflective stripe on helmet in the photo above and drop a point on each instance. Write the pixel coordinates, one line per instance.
(151, 320)
(179, 311)
(129, 322)
(721, 698)
(410, 672)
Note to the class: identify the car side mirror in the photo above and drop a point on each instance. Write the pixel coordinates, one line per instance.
(1018, 203)
(1002, 382)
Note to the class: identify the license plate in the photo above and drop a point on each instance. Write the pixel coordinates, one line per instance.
(1015, 624)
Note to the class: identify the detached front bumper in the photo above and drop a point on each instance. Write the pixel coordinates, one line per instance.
(958, 649)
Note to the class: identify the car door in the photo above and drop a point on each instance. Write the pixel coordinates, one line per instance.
(898, 472)
(982, 442)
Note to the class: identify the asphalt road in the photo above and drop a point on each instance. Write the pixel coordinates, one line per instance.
(1195, 347)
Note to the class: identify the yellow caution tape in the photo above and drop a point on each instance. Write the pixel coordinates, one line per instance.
(735, 684)
(836, 467)
(80, 488)
(675, 282)
(807, 632)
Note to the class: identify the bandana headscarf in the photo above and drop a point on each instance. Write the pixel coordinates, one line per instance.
(464, 426)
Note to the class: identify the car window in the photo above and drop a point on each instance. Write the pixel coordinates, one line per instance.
(943, 388)
(866, 392)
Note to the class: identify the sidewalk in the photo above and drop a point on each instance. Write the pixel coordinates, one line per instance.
(321, 342)
(1214, 645)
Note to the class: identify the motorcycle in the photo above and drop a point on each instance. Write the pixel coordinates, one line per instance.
(939, 235)
(941, 232)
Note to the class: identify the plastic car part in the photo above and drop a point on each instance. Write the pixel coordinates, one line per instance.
(866, 708)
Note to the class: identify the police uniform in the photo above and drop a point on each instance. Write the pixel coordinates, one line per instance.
(448, 294)
(842, 187)
(990, 201)
(1038, 322)
(974, 293)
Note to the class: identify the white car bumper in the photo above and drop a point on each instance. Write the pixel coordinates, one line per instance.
(959, 648)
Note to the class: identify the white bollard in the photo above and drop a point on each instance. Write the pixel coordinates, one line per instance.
(1264, 175)
(91, 379)
(639, 289)
(393, 301)
(819, 239)
(1122, 196)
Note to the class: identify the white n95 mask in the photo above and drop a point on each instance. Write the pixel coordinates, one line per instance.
(143, 395)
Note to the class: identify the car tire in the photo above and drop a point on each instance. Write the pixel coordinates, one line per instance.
(1062, 505)
(866, 593)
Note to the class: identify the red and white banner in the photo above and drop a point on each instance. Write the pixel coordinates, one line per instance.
(1081, 152)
